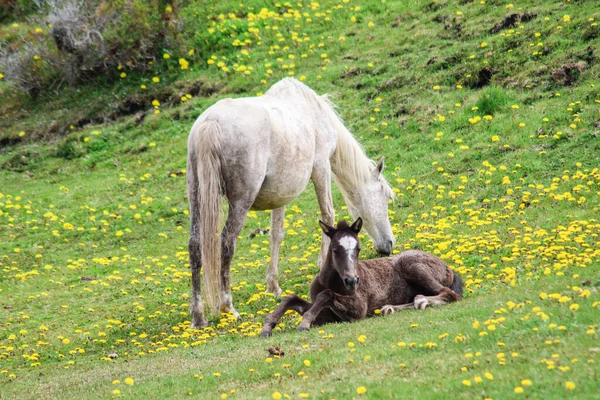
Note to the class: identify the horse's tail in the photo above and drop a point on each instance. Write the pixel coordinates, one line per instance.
(457, 284)
(210, 188)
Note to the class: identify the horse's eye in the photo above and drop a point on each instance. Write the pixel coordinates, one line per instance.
(336, 250)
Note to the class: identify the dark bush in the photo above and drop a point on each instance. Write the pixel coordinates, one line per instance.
(88, 38)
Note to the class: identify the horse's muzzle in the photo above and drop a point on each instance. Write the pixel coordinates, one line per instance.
(385, 250)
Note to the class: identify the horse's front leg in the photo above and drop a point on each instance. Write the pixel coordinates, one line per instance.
(321, 177)
(346, 308)
(291, 302)
(233, 226)
(277, 233)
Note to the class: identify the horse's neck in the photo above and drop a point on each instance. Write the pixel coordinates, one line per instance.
(349, 163)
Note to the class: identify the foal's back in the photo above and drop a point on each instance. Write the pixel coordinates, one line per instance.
(398, 279)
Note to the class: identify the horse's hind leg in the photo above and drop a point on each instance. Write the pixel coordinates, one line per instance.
(196, 306)
(291, 302)
(277, 233)
(233, 226)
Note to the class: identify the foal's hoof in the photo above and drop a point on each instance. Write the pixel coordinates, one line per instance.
(421, 302)
(303, 327)
(386, 310)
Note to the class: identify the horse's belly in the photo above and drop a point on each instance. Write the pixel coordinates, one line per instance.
(271, 202)
(280, 190)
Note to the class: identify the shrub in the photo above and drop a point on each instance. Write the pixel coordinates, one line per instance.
(87, 38)
(15, 9)
(28, 69)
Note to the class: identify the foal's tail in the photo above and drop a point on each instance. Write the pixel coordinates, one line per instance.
(210, 188)
(457, 284)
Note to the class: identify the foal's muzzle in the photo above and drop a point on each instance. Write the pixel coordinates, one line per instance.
(351, 283)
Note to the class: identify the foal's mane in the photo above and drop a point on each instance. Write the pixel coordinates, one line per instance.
(350, 165)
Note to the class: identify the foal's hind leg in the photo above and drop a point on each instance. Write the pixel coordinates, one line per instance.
(389, 309)
(233, 226)
(291, 302)
(444, 297)
(277, 233)
(420, 278)
(421, 302)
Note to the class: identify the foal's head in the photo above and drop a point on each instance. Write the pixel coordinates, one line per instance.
(343, 250)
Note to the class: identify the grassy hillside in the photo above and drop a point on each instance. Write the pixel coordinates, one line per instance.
(490, 125)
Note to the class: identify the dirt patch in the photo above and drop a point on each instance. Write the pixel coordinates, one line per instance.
(435, 6)
(276, 351)
(588, 55)
(568, 73)
(140, 103)
(484, 77)
(351, 72)
(395, 82)
(511, 20)
(453, 28)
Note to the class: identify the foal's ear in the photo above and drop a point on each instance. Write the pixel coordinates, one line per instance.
(357, 225)
(379, 167)
(328, 230)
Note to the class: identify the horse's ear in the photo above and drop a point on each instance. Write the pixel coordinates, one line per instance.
(379, 168)
(357, 225)
(328, 230)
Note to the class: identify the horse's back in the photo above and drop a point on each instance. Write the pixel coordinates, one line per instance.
(267, 149)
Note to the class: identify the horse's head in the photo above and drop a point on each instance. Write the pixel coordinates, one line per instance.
(343, 250)
(370, 202)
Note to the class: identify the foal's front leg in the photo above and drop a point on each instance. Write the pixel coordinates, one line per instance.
(346, 308)
(291, 302)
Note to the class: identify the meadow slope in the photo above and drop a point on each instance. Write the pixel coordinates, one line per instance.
(488, 115)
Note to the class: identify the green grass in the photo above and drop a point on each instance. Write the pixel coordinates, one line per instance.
(511, 202)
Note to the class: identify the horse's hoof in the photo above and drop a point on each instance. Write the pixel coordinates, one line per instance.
(421, 302)
(231, 310)
(386, 310)
(265, 334)
(203, 323)
(276, 291)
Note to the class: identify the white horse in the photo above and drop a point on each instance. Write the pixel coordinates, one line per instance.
(260, 153)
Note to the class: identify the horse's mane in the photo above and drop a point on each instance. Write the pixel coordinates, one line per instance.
(349, 157)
